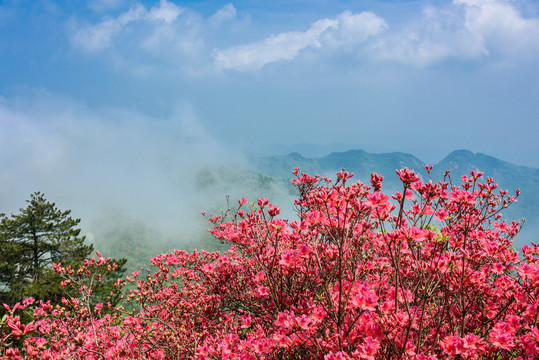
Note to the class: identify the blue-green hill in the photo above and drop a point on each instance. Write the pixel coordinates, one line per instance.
(508, 176)
(357, 161)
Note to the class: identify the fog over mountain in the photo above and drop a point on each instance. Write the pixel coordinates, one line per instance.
(127, 189)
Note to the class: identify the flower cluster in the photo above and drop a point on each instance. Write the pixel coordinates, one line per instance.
(426, 273)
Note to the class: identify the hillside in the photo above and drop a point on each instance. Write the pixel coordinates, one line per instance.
(270, 177)
(358, 161)
(508, 176)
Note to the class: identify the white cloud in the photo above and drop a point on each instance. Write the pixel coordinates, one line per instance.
(98, 37)
(226, 13)
(356, 28)
(166, 12)
(346, 28)
(173, 39)
(468, 29)
(162, 40)
(284, 46)
(436, 36)
(500, 26)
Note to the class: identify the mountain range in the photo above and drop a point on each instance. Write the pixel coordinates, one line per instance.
(219, 186)
(508, 176)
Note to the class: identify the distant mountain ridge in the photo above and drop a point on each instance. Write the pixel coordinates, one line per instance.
(508, 176)
(360, 162)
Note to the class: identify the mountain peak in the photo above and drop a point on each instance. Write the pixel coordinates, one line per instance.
(295, 156)
(460, 153)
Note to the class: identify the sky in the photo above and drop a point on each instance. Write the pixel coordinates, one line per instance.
(120, 100)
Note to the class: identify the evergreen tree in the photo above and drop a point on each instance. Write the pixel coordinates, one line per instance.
(30, 242)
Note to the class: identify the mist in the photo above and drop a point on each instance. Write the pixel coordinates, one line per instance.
(122, 171)
(127, 174)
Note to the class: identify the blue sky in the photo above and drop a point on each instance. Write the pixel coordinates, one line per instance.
(425, 77)
(100, 89)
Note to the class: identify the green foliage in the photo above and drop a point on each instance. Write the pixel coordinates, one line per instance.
(30, 242)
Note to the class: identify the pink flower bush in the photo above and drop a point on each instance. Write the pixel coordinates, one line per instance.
(426, 273)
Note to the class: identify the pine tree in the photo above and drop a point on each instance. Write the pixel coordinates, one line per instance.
(30, 242)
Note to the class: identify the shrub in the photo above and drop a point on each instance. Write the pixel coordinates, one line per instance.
(429, 274)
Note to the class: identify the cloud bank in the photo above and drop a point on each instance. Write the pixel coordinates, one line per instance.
(467, 30)
(98, 37)
(111, 163)
(489, 30)
(162, 39)
(347, 28)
